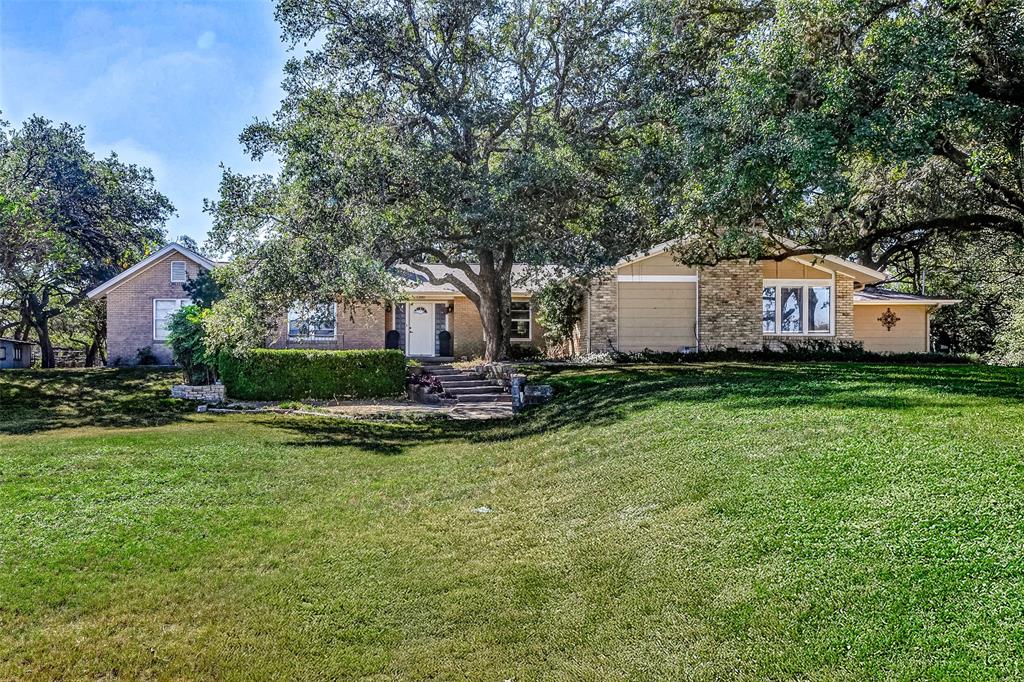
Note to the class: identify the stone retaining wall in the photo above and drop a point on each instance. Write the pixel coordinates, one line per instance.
(214, 393)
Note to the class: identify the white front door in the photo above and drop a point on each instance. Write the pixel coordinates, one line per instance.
(420, 318)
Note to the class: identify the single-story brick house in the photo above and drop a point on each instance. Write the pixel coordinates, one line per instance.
(15, 354)
(645, 301)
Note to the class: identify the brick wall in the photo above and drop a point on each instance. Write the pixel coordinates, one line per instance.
(844, 308)
(603, 314)
(358, 327)
(468, 332)
(730, 306)
(130, 310)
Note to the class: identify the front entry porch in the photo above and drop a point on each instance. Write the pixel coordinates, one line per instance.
(421, 328)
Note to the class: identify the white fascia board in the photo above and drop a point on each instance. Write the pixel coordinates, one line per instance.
(657, 278)
(930, 301)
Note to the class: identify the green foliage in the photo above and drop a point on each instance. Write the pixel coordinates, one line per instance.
(1009, 342)
(187, 338)
(204, 290)
(859, 127)
(267, 374)
(470, 134)
(559, 304)
(69, 222)
(804, 351)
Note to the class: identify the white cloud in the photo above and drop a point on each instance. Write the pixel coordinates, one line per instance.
(206, 40)
(130, 151)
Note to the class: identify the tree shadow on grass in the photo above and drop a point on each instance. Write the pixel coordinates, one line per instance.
(594, 397)
(42, 400)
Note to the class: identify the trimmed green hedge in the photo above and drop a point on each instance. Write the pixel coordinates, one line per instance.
(267, 374)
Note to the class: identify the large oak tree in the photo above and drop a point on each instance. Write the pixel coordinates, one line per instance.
(873, 128)
(470, 133)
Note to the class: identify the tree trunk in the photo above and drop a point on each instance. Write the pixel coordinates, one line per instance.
(92, 351)
(49, 359)
(41, 323)
(495, 306)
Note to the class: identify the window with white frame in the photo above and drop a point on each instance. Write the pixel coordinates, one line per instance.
(317, 323)
(178, 271)
(796, 308)
(17, 353)
(163, 309)
(521, 317)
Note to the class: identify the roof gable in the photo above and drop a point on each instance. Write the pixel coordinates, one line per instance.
(819, 261)
(102, 289)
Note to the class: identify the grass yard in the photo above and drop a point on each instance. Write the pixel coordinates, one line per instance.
(706, 522)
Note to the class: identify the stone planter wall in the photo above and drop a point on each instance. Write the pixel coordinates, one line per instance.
(213, 393)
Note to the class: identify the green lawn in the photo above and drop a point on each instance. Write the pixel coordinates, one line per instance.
(706, 522)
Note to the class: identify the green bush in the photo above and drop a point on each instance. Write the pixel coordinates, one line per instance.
(810, 350)
(187, 340)
(267, 374)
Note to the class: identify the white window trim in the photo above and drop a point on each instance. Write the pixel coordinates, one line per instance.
(529, 324)
(181, 303)
(184, 269)
(18, 354)
(312, 338)
(657, 278)
(805, 284)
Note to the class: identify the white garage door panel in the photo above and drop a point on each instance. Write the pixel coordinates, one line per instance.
(657, 315)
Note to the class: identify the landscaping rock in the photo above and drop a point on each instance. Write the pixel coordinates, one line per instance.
(535, 394)
(213, 393)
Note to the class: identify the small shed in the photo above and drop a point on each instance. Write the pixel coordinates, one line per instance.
(15, 354)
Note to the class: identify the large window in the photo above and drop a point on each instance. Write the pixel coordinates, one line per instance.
(521, 320)
(163, 308)
(794, 308)
(318, 323)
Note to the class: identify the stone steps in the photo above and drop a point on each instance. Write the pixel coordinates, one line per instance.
(469, 387)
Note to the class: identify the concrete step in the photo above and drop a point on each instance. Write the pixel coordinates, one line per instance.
(468, 390)
(465, 383)
(484, 398)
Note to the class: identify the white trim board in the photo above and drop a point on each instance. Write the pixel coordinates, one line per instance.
(657, 278)
(931, 302)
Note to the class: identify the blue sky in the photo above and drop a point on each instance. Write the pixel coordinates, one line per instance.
(166, 84)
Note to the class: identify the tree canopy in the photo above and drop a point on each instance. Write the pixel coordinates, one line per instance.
(467, 133)
(867, 127)
(68, 221)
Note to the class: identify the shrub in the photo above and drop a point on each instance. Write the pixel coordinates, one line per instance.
(559, 306)
(187, 340)
(267, 374)
(146, 357)
(525, 352)
(809, 350)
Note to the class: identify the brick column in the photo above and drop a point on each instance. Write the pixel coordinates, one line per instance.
(603, 307)
(844, 308)
(730, 306)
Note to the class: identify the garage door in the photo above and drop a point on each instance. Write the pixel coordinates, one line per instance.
(657, 315)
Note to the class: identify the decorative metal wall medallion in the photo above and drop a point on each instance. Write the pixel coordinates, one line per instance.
(888, 319)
